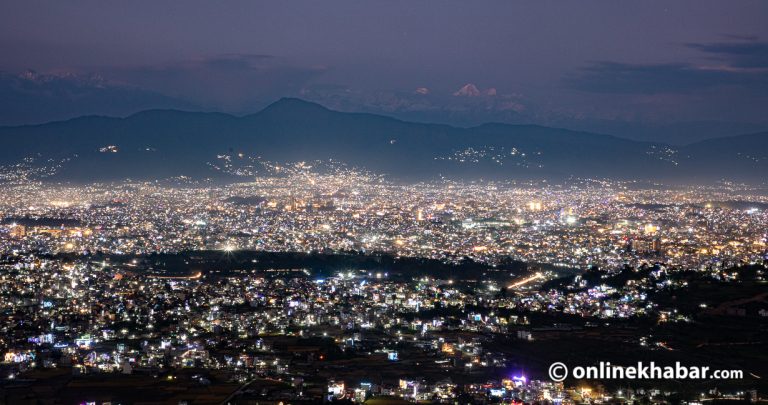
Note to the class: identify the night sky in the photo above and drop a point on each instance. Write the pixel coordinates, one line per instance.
(533, 61)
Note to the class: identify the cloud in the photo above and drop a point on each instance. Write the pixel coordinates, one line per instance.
(237, 61)
(748, 55)
(741, 66)
(34, 97)
(231, 82)
(739, 37)
(613, 77)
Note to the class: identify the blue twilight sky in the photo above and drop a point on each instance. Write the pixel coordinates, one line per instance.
(453, 61)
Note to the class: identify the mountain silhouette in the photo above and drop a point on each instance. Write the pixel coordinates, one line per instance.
(163, 143)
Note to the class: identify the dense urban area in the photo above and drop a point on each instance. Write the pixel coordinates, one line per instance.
(347, 287)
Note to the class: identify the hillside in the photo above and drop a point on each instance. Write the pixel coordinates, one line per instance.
(164, 143)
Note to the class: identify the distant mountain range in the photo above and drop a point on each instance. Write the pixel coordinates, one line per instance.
(32, 97)
(159, 144)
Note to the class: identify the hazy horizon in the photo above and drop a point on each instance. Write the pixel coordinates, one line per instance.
(644, 71)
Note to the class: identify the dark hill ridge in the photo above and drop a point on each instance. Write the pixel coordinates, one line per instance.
(163, 143)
